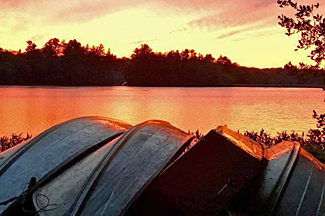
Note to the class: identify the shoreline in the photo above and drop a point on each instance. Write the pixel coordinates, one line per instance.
(221, 86)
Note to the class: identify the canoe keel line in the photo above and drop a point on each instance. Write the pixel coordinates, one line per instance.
(100, 166)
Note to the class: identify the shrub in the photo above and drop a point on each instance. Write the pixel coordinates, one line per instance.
(8, 142)
(313, 142)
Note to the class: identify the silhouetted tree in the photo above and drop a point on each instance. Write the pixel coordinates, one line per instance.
(290, 67)
(209, 58)
(185, 54)
(143, 71)
(31, 47)
(71, 63)
(174, 55)
(143, 52)
(224, 60)
(311, 27)
(53, 48)
(193, 55)
(73, 49)
(97, 51)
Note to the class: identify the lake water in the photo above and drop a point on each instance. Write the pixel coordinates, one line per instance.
(34, 109)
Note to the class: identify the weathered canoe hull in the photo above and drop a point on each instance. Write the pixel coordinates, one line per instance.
(197, 183)
(151, 170)
(299, 189)
(105, 180)
(142, 153)
(53, 149)
(229, 175)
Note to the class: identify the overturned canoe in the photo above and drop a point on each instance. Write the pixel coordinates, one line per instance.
(106, 167)
(292, 183)
(100, 181)
(54, 149)
(228, 174)
(201, 182)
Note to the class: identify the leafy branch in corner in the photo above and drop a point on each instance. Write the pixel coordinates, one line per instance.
(309, 24)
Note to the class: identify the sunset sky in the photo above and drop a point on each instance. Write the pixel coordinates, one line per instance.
(244, 30)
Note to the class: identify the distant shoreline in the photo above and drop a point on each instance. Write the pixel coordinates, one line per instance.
(103, 86)
(70, 64)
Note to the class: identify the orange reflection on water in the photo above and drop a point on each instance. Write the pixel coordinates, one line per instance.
(33, 110)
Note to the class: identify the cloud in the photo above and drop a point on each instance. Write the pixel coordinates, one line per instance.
(231, 33)
(228, 18)
(183, 29)
(16, 4)
(67, 11)
(86, 10)
(215, 4)
(256, 30)
(221, 18)
(13, 23)
(234, 14)
(39, 37)
(142, 41)
(61, 11)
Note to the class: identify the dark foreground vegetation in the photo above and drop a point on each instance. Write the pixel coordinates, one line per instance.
(61, 63)
(313, 141)
(309, 142)
(8, 142)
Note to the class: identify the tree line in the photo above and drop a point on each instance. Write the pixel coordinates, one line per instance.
(62, 63)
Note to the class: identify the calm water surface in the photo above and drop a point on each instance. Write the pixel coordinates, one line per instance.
(34, 109)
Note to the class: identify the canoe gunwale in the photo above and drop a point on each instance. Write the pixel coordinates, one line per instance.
(283, 180)
(321, 201)
(255, 149)
(178, 154)
(73, 160)
(15, 156)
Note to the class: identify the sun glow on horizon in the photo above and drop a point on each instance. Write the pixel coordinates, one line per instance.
(246, 33)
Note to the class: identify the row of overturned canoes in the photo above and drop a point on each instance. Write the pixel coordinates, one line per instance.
(100, 166)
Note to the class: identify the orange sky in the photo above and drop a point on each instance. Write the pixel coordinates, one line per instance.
(244, 30)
